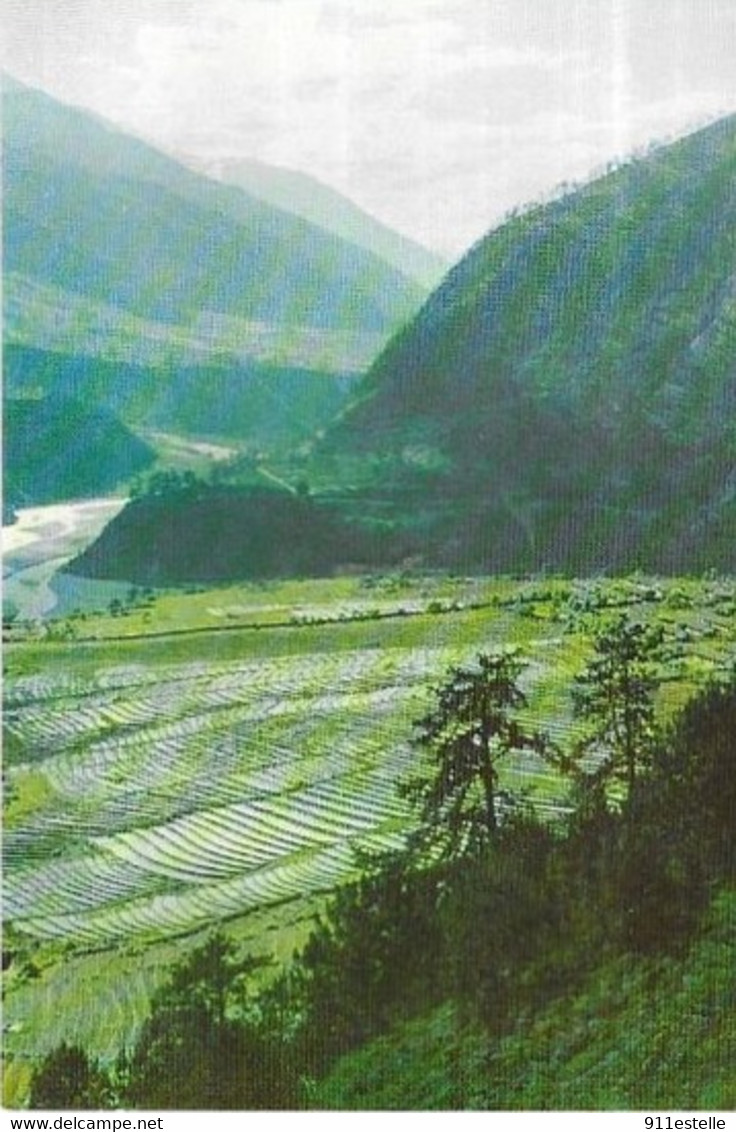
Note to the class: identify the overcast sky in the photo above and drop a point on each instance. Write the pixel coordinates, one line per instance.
(434, 115)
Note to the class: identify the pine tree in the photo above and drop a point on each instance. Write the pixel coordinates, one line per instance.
(468, 731)
(614, 696)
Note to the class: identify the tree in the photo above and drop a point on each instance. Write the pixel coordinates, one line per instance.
(11, 613)
(469, 730)
(201, 1046)
(615, 697)
(362, 969)
(67, 1078)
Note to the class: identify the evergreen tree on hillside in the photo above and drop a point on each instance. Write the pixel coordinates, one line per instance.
(614, 696)
(468, 731)
(201, 1047)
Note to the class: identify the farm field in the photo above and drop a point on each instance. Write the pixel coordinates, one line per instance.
(217, 757)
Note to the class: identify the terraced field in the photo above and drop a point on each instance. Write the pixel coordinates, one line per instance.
(160, 785)
(199, 792)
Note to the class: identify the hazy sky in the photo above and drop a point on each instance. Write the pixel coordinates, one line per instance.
(434, 115)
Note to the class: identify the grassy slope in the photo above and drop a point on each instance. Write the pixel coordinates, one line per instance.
(209, 311)
(41, 316)
(639, 1034)
(99, 999)
(264, 406)
(229, 318)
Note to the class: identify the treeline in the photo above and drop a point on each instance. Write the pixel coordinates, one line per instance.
(489, 907)
(181, 529)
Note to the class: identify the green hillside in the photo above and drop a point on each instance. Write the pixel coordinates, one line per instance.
(640, 1034)
(202, 532)
(215, 759)
(42, 316)
(263, 406)
(566, 397)
(58, 448)
(136, 286)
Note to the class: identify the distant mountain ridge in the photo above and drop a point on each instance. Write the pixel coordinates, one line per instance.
(320, 204)
(48, 317)
(143, 288)
(567, 396)
(260, 406)
(99, 215)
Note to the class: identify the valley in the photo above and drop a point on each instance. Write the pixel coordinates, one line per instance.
(369, 630)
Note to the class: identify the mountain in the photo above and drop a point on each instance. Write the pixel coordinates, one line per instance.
(567, 397)
(57, 448)
(305, 196)
(136, 285)
(44, 316)
(265, 407)
(101, 214)
(205, 533)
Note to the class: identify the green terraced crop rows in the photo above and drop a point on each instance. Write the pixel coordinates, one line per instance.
(158, 788)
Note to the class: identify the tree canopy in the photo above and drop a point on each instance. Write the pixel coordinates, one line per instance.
(201, 1046)
(69, 1078)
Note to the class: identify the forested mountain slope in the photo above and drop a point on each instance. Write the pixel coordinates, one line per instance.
(567, 397)
(259, 405)
(57, 448)
(640, 1033)
(139, 286)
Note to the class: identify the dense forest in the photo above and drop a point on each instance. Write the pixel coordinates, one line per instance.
(564, 399)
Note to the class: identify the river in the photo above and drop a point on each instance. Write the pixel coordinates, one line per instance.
(42, 540)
